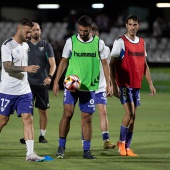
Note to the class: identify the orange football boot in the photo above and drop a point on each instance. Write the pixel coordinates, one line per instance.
(121, 148)
(129, 152)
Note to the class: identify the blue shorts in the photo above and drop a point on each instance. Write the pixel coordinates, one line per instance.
(86, 100)
(20, 103)
(128, 95)
(101, 98)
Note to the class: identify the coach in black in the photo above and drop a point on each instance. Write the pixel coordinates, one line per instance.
(40, 53)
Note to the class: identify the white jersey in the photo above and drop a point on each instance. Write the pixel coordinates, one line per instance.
(68, 47)
(14, 83)
(118, 48)
(102, 82)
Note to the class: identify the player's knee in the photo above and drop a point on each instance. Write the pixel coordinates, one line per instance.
(3, 123)
(27, 119)
(103, 113)
(68, 115)
(68, 112)
(87, 119)
(42, 112)
(132, 118)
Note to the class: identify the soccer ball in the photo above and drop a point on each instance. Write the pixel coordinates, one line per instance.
(72, 83)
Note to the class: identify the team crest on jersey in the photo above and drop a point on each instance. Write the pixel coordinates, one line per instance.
(2, 109)
(41, 48)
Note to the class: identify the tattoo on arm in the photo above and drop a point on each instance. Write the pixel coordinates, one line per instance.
(9, 67)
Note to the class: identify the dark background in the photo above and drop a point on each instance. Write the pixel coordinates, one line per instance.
(71, 10)
(112, 8)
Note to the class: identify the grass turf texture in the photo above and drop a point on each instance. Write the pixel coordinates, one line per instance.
(151, 139)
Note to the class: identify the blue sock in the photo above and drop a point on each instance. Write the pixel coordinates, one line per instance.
(123, 131)
(105, 135)
(62, 142)
(128, 139)
(86, 145)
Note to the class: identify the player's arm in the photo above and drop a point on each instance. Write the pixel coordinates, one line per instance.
(48, 79)
(118, 47)
(60, 70)
(113, 62)
(9, 67)
(52, 65)
(149, 80)
(106, 74)
(107, 49)
(62, 65)
(105, 65)
(51, 60)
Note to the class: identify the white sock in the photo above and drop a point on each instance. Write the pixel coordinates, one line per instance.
(29, 146)
(42, 132)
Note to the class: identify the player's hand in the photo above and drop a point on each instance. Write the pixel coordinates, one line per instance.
(116, 91)
(111, 90)
(108, 89)
(153, 90)
(32, 68)
(55, 89)
(47, 81)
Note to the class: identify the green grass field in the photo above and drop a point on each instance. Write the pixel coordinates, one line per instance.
(151, 139)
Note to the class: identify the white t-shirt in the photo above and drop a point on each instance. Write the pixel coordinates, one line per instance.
(102, 82)
(14, 83)
(119, 47)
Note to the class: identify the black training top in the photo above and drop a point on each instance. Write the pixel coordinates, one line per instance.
(38, 54)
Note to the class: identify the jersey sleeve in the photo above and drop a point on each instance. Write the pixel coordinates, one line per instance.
(107, 50)
(117, 48)
(67, 50)
(102, 49)
(50, 51)
(6, 54)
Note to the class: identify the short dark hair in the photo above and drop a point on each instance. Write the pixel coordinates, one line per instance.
(85, 21)
(133, 17)
(25, 22)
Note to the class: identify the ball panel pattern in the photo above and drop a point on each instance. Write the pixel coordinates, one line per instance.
(72, 82)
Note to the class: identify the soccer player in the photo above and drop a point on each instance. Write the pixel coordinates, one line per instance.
(83, 52)
(101, 100)
(128, 65)
(15, 92)
(40, 53)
